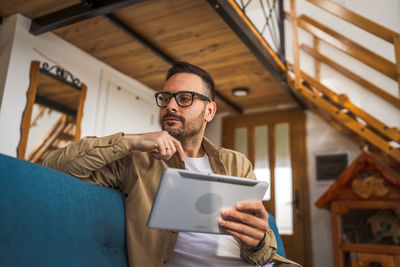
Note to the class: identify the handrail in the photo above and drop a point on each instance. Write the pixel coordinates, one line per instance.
(348, 46)
(351, 75)
(356, 19)
(343, 101)
(338, 106)
(350, 123)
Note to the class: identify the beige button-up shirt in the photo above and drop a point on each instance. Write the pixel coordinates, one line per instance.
(107, 161)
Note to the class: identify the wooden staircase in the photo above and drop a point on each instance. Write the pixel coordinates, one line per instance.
(60, 135)
(337, 109)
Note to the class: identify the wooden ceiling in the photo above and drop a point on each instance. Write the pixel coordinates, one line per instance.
(185, 30)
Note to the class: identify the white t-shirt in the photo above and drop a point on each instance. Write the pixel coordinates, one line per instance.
(201, 249)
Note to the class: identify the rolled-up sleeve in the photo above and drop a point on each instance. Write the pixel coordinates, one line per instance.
(262, 255)
(91, 158)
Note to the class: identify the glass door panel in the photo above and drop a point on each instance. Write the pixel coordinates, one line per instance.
(261, 162)
(283, 180)
(241, 140)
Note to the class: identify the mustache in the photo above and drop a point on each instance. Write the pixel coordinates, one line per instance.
(173, 115)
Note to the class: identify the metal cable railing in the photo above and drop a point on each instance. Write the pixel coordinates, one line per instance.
(267, 17)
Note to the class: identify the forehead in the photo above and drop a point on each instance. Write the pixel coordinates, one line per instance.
(184, 82)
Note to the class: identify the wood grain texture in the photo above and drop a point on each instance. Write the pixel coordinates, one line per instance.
(356, 78)
(187, 30)
(344, 102)
(317, 62)
(298, 245)
(27, 114)
(396, 41)
(296, 50)
(356, 19)
(34, 9)
(348, 46)
(349, 122)
(364, 160)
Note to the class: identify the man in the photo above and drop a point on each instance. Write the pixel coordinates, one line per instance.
(133, 163)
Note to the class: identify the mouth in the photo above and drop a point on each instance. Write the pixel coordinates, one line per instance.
(171, 119)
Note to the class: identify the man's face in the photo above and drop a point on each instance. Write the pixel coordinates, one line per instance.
(184, 122)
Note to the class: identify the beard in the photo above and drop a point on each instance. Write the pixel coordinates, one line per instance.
(186, 130)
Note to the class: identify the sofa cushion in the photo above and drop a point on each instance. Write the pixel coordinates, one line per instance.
(48, 218)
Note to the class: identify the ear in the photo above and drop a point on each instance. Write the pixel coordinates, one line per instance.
(210, 111)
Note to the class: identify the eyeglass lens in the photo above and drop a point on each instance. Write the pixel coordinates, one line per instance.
(183, 99)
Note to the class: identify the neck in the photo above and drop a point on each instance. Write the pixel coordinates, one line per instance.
(192, 146)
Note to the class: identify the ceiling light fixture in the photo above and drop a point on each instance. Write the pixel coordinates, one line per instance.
(240, 91)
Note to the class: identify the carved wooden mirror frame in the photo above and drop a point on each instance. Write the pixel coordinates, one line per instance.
(66, 80)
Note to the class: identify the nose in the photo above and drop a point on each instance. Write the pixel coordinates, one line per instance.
(172, 105)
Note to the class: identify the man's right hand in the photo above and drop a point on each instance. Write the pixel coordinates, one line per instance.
(161, 144)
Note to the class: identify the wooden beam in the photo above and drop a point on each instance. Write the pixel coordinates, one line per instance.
(356, 19)
(272, 164)
(345, 103)
(241, 25)
(396, 41)
(160, 53)
(317, 62)
(77, 13)
(350, 123)
(351, 75)
(348, 46)
(139, 38)
(245, 30)
(295, 42)
(340, 128)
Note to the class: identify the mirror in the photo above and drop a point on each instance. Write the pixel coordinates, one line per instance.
(53, 112)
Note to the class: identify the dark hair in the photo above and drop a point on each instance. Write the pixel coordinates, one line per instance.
(184, 67)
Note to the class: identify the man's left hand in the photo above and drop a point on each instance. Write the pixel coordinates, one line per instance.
(249, 224)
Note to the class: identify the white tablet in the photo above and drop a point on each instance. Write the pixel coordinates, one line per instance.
(192, 202)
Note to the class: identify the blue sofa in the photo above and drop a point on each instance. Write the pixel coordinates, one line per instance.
(48, 218)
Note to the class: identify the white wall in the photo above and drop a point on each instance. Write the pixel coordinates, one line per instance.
(54, 50)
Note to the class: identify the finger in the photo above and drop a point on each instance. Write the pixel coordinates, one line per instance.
(253, 206)
(246, 218)
(179, 148)
(162, 150)
(242, 228)
(170, 151)
(251, 242)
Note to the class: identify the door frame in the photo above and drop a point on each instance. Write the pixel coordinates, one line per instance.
(298, 150)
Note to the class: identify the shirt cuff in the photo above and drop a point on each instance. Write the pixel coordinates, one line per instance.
(263, 253)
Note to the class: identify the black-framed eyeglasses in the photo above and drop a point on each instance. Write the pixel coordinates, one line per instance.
(183, 98)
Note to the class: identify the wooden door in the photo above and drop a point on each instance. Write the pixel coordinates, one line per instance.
(275, 144)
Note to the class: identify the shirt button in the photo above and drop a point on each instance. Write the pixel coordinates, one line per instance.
(110, 142)
(114, 151)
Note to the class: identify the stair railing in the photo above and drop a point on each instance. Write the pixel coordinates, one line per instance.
(340, 110)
